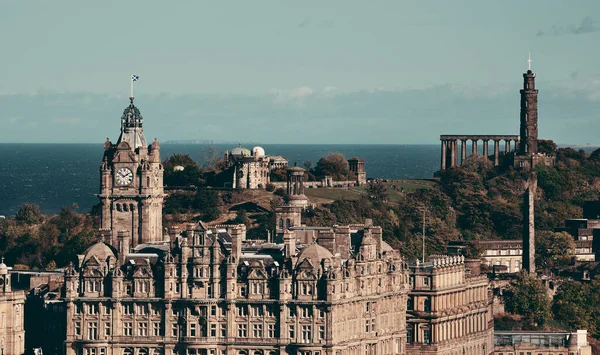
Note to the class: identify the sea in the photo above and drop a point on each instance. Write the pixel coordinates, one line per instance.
(61, 175)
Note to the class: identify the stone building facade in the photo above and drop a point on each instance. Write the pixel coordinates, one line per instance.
(545, 343)
(131, 183)
(12, 331)
(247, 169)
(212, 293)
(449, 308)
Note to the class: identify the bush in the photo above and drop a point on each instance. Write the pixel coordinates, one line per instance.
(279, 192)
(270, 187)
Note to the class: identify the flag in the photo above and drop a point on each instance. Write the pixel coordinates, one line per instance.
(135, 77)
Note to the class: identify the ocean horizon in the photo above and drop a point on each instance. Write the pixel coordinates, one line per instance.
(55, 175)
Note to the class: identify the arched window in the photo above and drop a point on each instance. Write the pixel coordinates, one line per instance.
(288, 223)
(281, 223)
(526, 132)
(143, 351)
(118, 207)
(128, 351)
(526, 117)
(125, 208)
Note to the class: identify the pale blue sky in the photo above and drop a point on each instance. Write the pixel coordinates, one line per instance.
(214, 66)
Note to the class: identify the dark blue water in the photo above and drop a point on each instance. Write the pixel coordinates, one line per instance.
(58, 175)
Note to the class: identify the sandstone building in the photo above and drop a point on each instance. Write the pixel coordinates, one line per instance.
(448, 309)
(247, 169)
(12, 332)
(131, 183)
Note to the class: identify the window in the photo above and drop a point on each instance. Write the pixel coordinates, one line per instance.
(128, 328)
(306, 312)
(321, 313)
(128, 309)
(271, 330)
(156, 329)
(142, 309)
(223, 330)
(174, 331)
(410, 336)
(143, 329)
(192, 329)
(257, 311)
(321, 332)
(242, 311)
(107, 329)
(213, 311)
(242, 330)
(92, 331)
(426, 281)
(292, 331)
(93, 308)
(367, 325)
(78, 329)
(426, 336)
(213, 330)
(306, 333)
(257, 330)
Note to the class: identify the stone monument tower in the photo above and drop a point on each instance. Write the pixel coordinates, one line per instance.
(357, 166)
(295, 187)
(528, 134)
(529, 225)
(131, 183)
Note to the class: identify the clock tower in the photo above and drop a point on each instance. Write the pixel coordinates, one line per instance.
(131, 183)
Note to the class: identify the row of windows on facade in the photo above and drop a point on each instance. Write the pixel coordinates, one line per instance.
(130, 309)
(530, 353)
(143, 329)
(96, 285)
(126, 351)
(446, 330)
(493, 252)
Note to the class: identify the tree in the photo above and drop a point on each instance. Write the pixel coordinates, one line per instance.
(571, 306)
(529, 298)
(595, 155)
(553, 249)
(278, 175)
(377, 193)
(546, 146)
(334, 165)
(212, 158)
(29, 214)
(184, 160)
(242, 218)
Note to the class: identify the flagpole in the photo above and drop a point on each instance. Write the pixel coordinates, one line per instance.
(131, 78)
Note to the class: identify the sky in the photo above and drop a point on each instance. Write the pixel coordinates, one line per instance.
(346, 71)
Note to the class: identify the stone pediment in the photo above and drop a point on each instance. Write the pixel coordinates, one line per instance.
(142, 272)
(257, 274)
(93, 272)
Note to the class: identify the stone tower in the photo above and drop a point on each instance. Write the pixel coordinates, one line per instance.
(295, 187)
(357, 166)
(529, 225)
(528, 134)
(131, 183)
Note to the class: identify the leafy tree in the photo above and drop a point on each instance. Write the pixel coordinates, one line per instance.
(279, 192)
(211, 214)
(206, 198)
(29, 214)
(377, 192)
(529, 298)
(241, 218)
(553, 249)
(334, 165)
(571, 306)
(278, 175)
(546, 146)
(595, 155)
(184, 160)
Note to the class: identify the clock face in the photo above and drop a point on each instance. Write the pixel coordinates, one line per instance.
(124, 176)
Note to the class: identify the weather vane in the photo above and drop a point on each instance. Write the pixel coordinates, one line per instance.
(133, 78)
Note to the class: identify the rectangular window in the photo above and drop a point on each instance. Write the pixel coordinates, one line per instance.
(174, 331)
(410, 336)
(127, 328)
(257, 330)
(306, 312)
(192, 329)
(292, 331)
(127, 309)
(156, 329)
(92, 331)
(242, 311)
(426, 281)
(321, 332)
(242, 331)
(257, 311)
(367, 325)
(426, 336)
(213, 311)
(213, 330)
(107, 329)
(223, 330)
(271, 331)
(306, 333)
(143, 329)
(142, 309)
(78, 329)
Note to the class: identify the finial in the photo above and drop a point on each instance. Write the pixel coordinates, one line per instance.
(131, 99)
(2, 260)
(529, 62)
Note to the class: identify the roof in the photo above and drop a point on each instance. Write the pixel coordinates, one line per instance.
(240, 151)
(315, 252)
(100, 250)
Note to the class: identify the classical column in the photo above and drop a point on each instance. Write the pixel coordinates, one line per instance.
(507, 146)
(485, 148)
(444, 147)
(474, 150)
(463, 151)
(452, 152)
(496, 152)
(455, 153)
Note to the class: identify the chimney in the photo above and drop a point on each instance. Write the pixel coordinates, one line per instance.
(123, 243)
(289, 241)
(237, 233)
